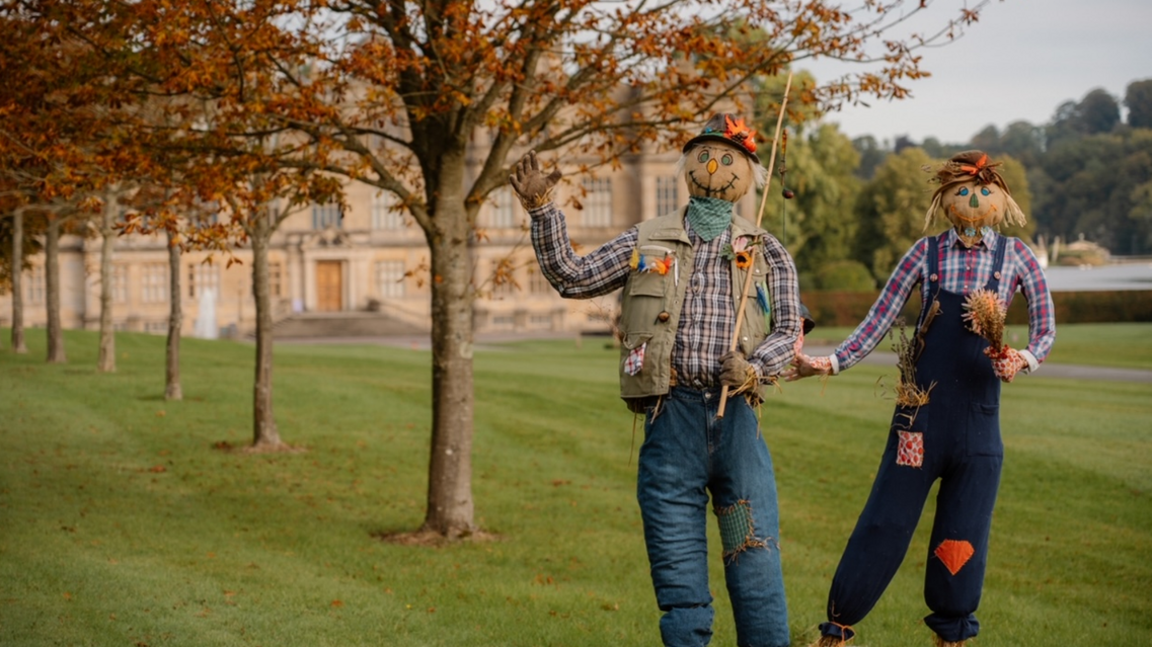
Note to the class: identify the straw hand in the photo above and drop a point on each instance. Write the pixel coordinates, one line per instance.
(804, 366)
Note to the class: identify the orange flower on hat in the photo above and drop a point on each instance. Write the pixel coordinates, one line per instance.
(975, 170)
(738, 132)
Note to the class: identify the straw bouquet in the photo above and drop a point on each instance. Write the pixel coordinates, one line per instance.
(985, 313)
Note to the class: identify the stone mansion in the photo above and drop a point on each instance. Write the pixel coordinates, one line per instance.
(369, 261)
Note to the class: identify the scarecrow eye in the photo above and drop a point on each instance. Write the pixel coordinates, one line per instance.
(962, 191)
(726, 160)
(985, 191)
(702, 157)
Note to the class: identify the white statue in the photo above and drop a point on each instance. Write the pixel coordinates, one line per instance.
(205, 327)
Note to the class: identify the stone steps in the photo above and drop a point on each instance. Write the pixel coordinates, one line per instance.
(326, 325)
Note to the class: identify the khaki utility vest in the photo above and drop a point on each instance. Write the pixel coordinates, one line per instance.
(651, 303)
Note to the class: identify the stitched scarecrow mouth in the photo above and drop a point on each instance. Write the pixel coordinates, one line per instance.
(710, 192)
(972, 216)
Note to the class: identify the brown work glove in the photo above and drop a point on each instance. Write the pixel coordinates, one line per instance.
(736, 372)
(530, 184)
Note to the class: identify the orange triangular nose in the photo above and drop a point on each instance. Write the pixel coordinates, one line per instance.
(712, 166)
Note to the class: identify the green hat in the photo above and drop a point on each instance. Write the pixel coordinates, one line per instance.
(728, 128)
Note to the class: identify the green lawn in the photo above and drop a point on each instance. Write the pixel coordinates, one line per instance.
(125, 519)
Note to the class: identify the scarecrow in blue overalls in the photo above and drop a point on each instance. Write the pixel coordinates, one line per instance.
(946, 425)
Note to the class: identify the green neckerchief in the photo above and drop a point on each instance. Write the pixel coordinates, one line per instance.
(709, 217)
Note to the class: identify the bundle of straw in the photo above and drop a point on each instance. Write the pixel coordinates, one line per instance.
(908, 392)
(985, 312)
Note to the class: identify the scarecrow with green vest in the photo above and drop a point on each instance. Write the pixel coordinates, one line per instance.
(682, 277)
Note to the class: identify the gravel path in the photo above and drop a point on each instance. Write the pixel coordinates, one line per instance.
(1071, 371)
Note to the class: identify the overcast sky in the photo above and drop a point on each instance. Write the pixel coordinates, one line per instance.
(1019, 62)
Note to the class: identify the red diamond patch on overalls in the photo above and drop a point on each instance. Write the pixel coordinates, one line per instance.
(911, 449)
(955, 553)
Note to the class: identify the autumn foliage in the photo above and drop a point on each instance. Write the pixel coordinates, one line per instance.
(248, 104)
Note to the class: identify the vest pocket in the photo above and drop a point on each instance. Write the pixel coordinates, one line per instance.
(635, 352)
(644, 300)
(647, 284)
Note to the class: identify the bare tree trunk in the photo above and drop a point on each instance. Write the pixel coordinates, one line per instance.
(52, 291)
(450, 505)
(106, 362)
(264, 423)
(18, 345)
(172, 389)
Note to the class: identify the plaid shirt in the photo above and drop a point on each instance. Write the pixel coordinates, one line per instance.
(704, 332)
(962, 270)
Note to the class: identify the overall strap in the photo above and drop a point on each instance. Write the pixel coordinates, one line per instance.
(933, 286)
(997, 265)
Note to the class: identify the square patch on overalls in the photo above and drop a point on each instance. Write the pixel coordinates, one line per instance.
(910, 451)
(635, 361)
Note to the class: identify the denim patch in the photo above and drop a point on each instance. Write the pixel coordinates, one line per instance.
(910, 451)
(737, 530)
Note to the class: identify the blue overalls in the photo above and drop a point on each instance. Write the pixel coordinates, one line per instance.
(956, 438)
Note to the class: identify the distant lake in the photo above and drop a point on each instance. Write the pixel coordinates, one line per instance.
(1126, 276)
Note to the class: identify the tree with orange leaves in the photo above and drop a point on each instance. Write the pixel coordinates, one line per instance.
(393, 94)
(147, 113)
(64, 148)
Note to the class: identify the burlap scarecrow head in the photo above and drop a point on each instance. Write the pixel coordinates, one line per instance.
(721, 161)
(973, 196)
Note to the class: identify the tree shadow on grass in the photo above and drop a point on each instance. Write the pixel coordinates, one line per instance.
(431, 538)
(281, 448)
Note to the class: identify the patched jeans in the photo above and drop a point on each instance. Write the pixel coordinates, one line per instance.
(687, 454)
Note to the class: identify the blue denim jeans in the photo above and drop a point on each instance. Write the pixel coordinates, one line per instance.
(687, 454)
